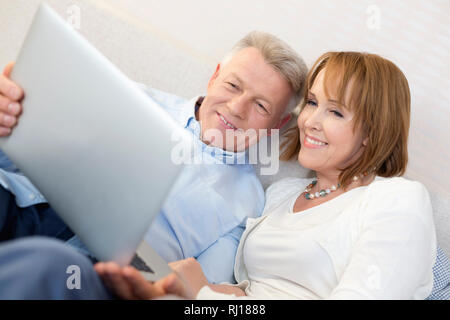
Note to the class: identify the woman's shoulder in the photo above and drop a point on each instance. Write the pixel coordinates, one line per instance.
(397, 185)
(398, 194)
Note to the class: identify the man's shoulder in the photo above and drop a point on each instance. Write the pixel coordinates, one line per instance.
(163, 98)
(231, 175)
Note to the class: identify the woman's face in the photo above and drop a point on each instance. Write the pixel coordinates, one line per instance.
(328, 143)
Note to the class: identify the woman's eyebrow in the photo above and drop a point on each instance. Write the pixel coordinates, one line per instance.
(334, 101)
(337, 103)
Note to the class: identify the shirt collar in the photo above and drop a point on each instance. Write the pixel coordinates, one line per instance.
(187, 118)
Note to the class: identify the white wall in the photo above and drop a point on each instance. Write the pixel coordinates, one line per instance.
(415, 34)
(191, 37)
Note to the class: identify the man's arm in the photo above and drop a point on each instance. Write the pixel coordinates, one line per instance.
(6, 164)
(217, 260)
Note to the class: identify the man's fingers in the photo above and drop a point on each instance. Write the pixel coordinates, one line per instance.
(6, 123)
(8, 69)
(142, 288)
(4, 131)
(7, 120)
(11, 107)
(9, 89)
(10, 94)
(110, 272)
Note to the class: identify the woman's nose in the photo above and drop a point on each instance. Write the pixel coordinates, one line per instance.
(313, 119)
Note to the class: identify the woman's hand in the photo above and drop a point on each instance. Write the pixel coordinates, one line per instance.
(190, 278)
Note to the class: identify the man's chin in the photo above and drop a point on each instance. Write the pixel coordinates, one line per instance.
(231, 140)
(230, 148)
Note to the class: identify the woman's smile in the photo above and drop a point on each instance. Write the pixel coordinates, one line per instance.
(313, 143)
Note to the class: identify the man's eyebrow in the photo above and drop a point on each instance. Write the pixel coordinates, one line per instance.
(237, 77)
(260, 96)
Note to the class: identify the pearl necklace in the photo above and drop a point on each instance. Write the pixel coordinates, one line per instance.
(326, 191)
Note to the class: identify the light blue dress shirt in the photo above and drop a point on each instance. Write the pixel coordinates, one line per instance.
(205, 212)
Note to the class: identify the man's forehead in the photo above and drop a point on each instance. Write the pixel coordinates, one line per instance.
(256, 75)
(254, 86)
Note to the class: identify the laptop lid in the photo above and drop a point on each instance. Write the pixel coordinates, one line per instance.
(90, 140)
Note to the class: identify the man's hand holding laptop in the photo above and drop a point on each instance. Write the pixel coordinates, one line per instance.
(186, 280)
(10, 96)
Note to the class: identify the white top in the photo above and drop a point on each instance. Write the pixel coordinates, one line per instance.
(372, 242)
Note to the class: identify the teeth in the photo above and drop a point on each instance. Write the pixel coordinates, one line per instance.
(227, 123)
(317, 143)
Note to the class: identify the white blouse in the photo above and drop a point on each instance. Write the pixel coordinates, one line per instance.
(372, 242)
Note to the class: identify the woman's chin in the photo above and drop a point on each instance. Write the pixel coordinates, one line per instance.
(303, 162)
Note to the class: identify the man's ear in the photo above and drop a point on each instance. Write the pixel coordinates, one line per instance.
(214, 76)
(282, 123)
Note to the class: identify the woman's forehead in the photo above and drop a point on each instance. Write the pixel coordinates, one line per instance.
(338, 87)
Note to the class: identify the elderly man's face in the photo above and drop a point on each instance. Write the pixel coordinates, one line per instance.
(246, 93)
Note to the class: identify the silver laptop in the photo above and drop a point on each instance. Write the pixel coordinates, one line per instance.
(93, 143)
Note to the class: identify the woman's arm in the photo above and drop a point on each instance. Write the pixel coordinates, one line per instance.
(227, 289)
(394, 255)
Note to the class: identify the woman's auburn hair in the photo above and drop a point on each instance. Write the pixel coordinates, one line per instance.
(380, 100)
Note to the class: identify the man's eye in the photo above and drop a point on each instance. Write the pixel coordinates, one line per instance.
(261, 107)
(232, 85)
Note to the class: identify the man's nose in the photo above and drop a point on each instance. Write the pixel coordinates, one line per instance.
(237, 106)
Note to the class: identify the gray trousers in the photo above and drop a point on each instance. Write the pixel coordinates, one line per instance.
(46, 268)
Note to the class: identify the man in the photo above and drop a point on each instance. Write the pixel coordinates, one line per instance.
(254, 88)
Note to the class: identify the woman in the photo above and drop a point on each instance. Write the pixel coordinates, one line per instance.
(357, 230)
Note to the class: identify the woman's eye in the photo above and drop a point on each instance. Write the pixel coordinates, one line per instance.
(311, 102)
(337, 113)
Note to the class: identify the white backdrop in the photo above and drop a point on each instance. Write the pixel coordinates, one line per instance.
(192, 36)
(415, 34)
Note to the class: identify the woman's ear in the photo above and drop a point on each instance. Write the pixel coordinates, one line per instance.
(365, 141)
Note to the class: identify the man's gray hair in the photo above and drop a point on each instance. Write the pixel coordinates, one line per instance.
(280, 56)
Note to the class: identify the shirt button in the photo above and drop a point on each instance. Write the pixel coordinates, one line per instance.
(31, 196)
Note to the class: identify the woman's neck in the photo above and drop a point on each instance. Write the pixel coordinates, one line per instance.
(327, 180)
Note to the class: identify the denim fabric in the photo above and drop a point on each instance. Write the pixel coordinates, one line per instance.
(37, 220)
